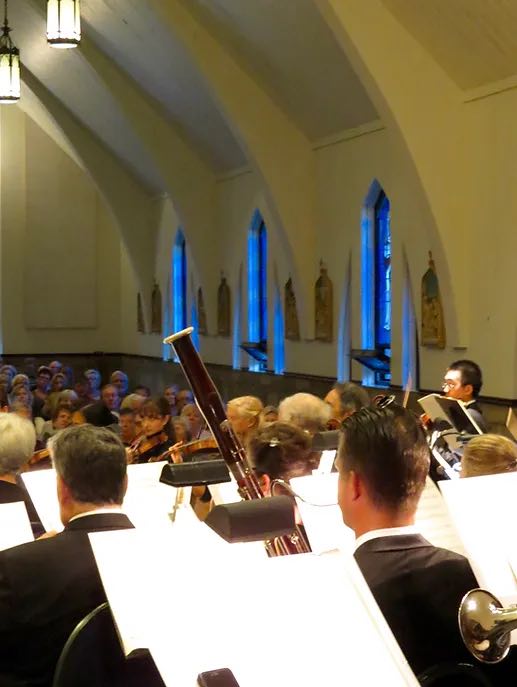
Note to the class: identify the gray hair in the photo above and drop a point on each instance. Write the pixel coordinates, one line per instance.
(91, 461)
(17, 441)
(306, 411)
(132, 401)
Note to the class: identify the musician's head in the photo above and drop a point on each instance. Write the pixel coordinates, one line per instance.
(17, 441)
(90, 464)
(463, 380)
(243, 414)
(488, 454)
(306, 411)
(345, 399)
(281, 451)
(156, 417)
(383, 461)
(127, 425)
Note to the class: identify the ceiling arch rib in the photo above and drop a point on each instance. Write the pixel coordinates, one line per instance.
(278, 150)
(129, 203)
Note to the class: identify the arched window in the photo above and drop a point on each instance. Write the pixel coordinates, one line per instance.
(410, 371)
(376, 289)
(279, 334)
(179, 282)
(257, 294)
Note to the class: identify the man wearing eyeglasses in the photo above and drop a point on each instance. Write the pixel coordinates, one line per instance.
(463, 381)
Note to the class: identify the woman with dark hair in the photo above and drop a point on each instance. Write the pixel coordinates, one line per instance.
(158, 430)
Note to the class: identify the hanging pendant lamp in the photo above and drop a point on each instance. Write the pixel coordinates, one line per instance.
(9, 66)
(63, 23)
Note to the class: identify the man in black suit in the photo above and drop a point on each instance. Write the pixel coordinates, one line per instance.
(463, 381)
(48, 586)
(383, 461)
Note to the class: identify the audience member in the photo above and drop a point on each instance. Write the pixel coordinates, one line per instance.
(488, 454)
(48, 586)
(128, 430)
(4, 390)
(93, 377)
(196, 422)
(132, 402)
(383, 462)
(58, 382)
(243, 415)
(306, 411)
(21, 380)
(110, 397)
(345, 399)
(55, 367)
(82, 390)
(40, 393)
(61, 419)
(170, 393)
(157, 429)
(98, 415)
(268, 415)
(17, 443)
(120, 380)
(21, 408)
(9, 371)
(142, 390)
(181, 429)
(183, 398)
(21, 394)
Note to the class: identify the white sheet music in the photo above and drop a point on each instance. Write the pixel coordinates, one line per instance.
(41, 485)
(484, 511)
(15, 527)
(225, 588)
(434, 521)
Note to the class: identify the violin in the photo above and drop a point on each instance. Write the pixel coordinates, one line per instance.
(142, 444)
(40, 455)
(178, 452)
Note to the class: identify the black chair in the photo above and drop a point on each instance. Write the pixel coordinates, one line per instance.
(454, 675)
(93, 655)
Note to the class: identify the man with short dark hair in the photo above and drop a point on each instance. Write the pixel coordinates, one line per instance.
(345, 399)
(48, 586)
(383, 462)
(463, 381)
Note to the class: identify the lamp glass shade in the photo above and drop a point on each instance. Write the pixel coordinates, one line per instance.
(9, 73)
(63, 23)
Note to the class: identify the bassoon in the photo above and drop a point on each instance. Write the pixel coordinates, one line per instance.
(212, 408)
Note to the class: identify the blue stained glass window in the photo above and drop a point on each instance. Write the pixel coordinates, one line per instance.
(179, 282)
(257, 287)
(383, 281)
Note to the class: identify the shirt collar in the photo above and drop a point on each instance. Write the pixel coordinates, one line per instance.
(386, 532)
(97, 511)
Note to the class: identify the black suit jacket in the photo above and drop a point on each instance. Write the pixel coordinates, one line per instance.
(11, 493)
(419, 588)
(46, 588)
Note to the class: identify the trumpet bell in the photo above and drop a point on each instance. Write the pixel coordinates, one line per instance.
(483, 626)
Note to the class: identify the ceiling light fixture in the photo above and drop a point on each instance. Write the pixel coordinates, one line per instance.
(63, 23)
(9, 65)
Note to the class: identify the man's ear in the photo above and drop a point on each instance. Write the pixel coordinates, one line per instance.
(63, 492)
(356, 485)
(469, 390)
(124, 486)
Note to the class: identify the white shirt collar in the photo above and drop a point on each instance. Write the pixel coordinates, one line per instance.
(97, 511)
(386, 532)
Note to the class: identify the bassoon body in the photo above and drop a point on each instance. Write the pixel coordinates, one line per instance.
(212, 408)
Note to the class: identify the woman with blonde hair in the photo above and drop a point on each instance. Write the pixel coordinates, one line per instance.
(488, 454)
(243, 415)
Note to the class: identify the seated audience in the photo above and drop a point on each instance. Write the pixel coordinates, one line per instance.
(21, 394)
(58, 382)
(120, 380)
(196, 422)
(93, 377)
(110, 397)
(268, 415)
(170, 393)
(345, 399)
(17, 443)
(82, 390)
(243, 414)
(128, 429)
(61, 419)
(48, 586)
(281, 451)
(43, 377)
(183, 398)
(142, 390)
(306, 411)
(55, 367)
(132, 402)
(488, 454)
(158, 431)
(21, 408)
(55, 398)
(21, 380)
(98, 415)
(181, 429)
(9, 371)
(5, 385)
(383, 462)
